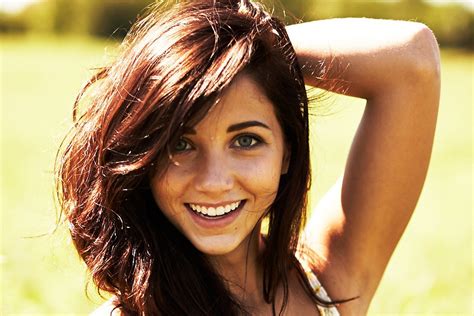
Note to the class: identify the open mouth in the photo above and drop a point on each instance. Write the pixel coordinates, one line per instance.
(216, 212)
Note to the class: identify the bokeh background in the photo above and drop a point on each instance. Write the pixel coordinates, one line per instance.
(49, 49)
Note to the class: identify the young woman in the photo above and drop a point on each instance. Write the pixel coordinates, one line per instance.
(199, 131)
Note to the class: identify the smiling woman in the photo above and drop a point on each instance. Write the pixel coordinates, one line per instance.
(226, 172)
(198, 131)
(179, 165)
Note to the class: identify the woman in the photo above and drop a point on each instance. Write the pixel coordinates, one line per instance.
(199, 131)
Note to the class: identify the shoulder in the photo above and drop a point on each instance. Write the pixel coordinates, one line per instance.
(107, 309)
(307, 259)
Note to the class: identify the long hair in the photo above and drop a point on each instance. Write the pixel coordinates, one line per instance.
(171, 70)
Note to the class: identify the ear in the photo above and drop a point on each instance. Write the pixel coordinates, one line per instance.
(286, 160)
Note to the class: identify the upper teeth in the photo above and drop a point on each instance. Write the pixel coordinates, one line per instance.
(215, 211)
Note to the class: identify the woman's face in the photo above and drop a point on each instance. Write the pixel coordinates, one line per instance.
(226, 170)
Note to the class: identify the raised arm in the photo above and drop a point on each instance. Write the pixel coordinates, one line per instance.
(394, 65)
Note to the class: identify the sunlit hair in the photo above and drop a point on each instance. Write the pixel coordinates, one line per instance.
(171, 70)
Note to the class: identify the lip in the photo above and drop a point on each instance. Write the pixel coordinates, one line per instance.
(210, 222)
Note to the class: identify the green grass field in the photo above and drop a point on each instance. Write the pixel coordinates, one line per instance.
(430, 272)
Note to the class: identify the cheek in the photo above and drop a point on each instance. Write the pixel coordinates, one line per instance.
(261, 175)
(166, 188)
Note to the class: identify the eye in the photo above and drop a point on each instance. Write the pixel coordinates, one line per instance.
(182, 145)
(246, 141)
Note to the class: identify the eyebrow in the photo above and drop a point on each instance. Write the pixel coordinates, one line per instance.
(239, 126)
(233, 127)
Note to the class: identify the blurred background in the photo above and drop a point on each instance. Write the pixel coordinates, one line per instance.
(49, 48)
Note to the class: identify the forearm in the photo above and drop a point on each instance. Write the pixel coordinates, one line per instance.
(367, 57)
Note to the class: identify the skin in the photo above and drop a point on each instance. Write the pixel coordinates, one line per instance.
(236, 153)
(394, 65)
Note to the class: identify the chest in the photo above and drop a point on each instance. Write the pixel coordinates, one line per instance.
(296, 306)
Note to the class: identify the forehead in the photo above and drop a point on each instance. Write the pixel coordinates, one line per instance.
(243, 100)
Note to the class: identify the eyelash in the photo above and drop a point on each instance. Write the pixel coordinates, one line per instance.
(255, 142)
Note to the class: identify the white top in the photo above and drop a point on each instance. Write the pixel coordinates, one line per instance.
(317, 287)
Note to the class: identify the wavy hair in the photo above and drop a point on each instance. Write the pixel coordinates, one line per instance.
(172, 67)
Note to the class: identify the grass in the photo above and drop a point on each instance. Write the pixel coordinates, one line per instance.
(430, 272)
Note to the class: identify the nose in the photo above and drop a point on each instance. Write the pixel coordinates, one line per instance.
(214, 176)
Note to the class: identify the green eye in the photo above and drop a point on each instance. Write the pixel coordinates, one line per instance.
(182, 145)
(246, 141)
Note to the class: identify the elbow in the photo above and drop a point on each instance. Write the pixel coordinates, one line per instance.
(425, 61)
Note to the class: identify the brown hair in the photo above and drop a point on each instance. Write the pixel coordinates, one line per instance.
(171, 70)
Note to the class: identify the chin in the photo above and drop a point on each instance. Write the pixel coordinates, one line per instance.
(216, 245)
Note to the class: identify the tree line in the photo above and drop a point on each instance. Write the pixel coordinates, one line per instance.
(453, 24)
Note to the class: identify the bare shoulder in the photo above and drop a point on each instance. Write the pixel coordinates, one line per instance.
(107, 309)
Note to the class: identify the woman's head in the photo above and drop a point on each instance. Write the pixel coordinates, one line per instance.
(175, 71)
(225, 171)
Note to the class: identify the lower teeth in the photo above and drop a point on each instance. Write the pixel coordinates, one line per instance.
(214, 216)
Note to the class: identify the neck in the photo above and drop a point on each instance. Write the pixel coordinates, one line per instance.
(242, 269)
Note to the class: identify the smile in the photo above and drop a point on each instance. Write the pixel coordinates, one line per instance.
(217, 211)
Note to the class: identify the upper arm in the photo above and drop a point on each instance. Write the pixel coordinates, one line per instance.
(360, 221)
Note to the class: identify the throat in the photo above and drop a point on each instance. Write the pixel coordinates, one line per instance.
(242, 270)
